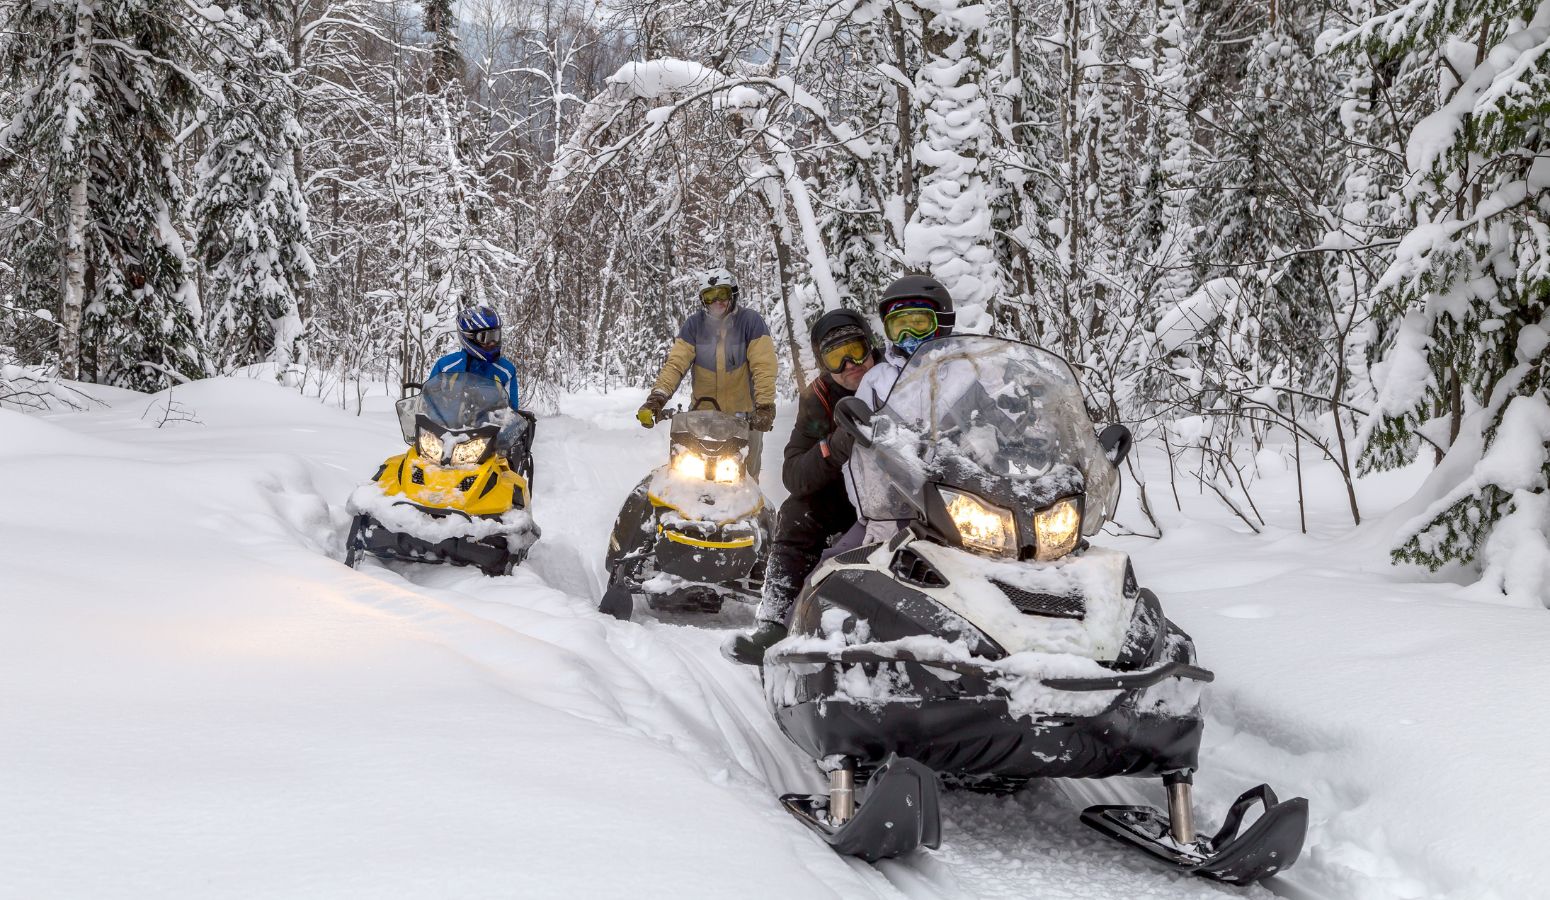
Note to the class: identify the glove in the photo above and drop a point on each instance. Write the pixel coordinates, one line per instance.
(841, 442)
(648, 413)
(763, 418)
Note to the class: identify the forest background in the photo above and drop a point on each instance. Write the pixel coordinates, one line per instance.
(1319, 227)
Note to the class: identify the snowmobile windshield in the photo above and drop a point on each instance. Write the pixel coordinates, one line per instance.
(457, 400)
(710, 430)
(998, 418)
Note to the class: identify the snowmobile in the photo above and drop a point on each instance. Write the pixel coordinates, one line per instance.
(988, 642)
(460, 493)
(694, 532)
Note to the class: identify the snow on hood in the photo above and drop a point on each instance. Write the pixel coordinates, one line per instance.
(515, 525)
(1097, 575)
(696, 499)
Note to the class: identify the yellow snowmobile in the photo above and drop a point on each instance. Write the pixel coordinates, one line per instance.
(461, 493)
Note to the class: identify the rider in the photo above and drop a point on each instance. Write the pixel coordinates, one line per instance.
(732, 356)
(914, 309)
(479, 332)
(817, 510)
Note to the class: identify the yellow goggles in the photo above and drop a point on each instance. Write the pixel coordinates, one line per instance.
(913, 322)
(853, 351)
(716, 293)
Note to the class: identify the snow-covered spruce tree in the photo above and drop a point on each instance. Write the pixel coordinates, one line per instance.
(106, 89)
(951, 233)
(252, 219)
(1469, 290)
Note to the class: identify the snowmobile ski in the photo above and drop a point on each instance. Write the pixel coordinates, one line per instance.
(901, 812)
(1271, 844)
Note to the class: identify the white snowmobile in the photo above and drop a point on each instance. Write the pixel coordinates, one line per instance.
(988, 642)
(695, 532)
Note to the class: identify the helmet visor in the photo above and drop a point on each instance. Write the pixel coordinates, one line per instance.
(915, 322)
(716, 293)
(853, 351)
(487, 338)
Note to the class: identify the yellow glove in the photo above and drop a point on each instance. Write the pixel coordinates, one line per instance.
(651, 409)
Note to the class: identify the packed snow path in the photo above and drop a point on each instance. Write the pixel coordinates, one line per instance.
(199, 699)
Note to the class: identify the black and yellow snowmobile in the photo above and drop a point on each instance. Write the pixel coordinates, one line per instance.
(461, 493)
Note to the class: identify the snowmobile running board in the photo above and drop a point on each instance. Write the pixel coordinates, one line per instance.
(1120, 681)
(1268, 846)
(900, 811)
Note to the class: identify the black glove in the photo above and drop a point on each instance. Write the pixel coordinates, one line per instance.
(841, 442)
(763, 418)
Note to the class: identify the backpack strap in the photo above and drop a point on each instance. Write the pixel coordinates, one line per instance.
(821, 391)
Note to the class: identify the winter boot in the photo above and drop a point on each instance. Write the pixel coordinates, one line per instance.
(617, 602)
(748, 649)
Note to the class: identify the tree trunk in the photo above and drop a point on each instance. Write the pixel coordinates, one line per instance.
(73, 301)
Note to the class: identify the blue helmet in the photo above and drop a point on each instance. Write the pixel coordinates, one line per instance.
(479, 331)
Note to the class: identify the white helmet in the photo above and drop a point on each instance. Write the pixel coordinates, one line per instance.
(714, 278)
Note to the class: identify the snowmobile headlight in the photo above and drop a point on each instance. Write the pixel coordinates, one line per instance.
(728, 469)
(469, 453)
(689, 465)
(429, 445)
(983, 528)
(1056, 529)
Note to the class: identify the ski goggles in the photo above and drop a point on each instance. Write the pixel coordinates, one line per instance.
(716, 293)
(488, 338)
(913, 321)
(853, 351)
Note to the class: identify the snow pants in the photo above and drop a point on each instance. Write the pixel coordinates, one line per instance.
(804, 528)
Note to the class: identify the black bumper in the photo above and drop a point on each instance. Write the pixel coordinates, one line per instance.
(490, 554)
(978, 737)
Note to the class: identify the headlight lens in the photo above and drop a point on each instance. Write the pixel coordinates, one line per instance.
(429, 445)
(689, 465)
(982, 527)
(469, 453)
(728, 469)
(1056, 529)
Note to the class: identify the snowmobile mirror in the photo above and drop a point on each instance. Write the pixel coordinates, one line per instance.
(851, 414)
(1116, 440)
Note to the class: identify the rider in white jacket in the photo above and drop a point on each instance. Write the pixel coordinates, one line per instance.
(914, 309)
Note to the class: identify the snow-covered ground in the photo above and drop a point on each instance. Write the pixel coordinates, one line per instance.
(198, 699)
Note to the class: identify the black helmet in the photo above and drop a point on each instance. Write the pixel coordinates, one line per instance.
(837, 330)
(921, 287)
(839, 324)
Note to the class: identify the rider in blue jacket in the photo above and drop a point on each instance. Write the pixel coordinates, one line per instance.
(479, 331)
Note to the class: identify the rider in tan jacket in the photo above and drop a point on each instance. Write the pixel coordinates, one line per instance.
(729, 354)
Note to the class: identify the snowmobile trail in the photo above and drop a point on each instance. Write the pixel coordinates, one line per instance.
(212, 704)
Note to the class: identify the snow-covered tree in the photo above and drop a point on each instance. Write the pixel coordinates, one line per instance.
(1465, 366)
(253, 228)
(107, 89)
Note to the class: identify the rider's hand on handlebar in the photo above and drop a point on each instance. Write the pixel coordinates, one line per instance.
(651, 411)
(841, 442)
(763, 418)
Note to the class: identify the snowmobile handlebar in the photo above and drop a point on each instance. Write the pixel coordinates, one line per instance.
(671, 411)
